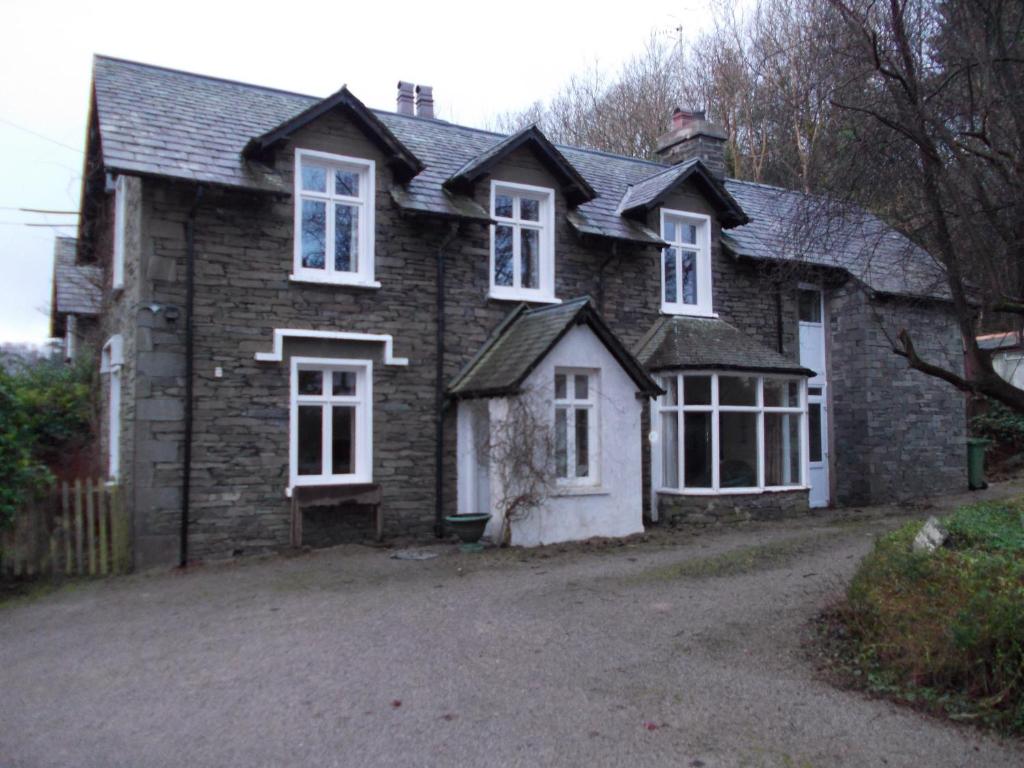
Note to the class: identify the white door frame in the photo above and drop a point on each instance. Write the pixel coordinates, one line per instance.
(818, 470)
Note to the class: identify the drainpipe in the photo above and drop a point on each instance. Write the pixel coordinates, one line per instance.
(190, 280)
(439, 387)
(778, 317)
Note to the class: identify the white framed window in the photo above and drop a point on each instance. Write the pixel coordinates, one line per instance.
(522, 263)
(731, 433)
(111, 362)
(334, 219)
(120, 223)
(331, 431)
(686, 263)
(576, 427)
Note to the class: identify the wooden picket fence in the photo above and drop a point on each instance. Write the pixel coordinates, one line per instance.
(80, 529)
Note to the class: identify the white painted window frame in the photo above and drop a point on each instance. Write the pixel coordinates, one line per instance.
(120, 224)
(545, 223)
(705, 302)
(70, 342)
(365, 202)
(571, 403)
(362, 400)
(663, 411)
(111, 362)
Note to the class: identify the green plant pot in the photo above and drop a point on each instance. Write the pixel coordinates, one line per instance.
(469, 529)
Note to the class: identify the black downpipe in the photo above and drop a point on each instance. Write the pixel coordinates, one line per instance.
(778, 318)
(439, 388)
(190, 282)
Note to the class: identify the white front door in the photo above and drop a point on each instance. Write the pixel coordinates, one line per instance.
(812, 355)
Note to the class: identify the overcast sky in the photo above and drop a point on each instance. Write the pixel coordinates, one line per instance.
(480, 61)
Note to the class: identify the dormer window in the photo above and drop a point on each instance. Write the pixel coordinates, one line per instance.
(522, 242)
(334, 212)
(686, 263)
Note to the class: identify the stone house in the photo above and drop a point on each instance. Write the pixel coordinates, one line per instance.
(308, 293)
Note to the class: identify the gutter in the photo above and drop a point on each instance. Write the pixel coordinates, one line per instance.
(190, 280)
(439, 399)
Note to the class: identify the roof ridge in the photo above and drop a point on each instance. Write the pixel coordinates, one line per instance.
(200, 76)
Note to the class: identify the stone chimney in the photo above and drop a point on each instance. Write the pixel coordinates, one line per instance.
(404, 98)
(692, 136)
(424, 101)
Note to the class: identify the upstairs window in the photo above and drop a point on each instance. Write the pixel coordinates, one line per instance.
(334, 212)
(522, 242)
(575, 427)
(686, 263)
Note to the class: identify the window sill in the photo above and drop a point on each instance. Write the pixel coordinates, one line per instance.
(580, 490)
(730, 491)
(677, 312)
(531, 298)
(322, 482)
(342, 282)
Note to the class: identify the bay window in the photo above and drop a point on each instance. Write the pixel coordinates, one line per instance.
(686, 263)
(334, 219)
(575, 427)
(331, 421)
(522, 242)
(730, 433)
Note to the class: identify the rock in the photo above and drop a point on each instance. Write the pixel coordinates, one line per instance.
(931, 536)
(413, 554)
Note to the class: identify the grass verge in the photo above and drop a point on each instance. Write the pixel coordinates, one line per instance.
(943, 631)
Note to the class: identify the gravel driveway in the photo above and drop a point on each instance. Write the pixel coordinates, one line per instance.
(681, 650)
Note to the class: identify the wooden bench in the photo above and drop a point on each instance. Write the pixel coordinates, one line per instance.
(308, 496)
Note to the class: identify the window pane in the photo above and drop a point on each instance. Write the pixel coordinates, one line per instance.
(668, 274)
(814, 431)
(671, 386)
(688, 233)
(697, 456)
(346, 238)
(737, 434)
(561, 442)
(311, 426)
(780, 393)
(529, 252)
(782, 449)
(502, 255)
(314, 233)
(529, 210)
(689, 273)
(343, 439)
(314, 178)
(737, 390)
(346, 183)
(311, 383)
(344, 382)
(560, 389)
(581, 386)
(697, 390)
(503, 206)
(670, 450)
(670, 231)
(582, 442)
(810, 305)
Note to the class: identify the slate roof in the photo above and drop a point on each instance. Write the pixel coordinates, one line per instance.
(828, 235)
(647, 193)
(691, 343)
(78, 288)
(156, 121)
(525, 337)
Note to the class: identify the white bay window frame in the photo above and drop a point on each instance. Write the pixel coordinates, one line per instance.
(361, 401)
(545, 225)
(364, 203)
(678, 410)
(677, 245)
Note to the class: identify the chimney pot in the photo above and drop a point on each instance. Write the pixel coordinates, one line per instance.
(404, 100)
(424, 101)
(684, 117)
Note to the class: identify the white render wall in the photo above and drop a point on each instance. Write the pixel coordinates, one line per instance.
(613, 506)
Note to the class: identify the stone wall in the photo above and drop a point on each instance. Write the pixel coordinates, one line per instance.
(677, 509)
(897, 434)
